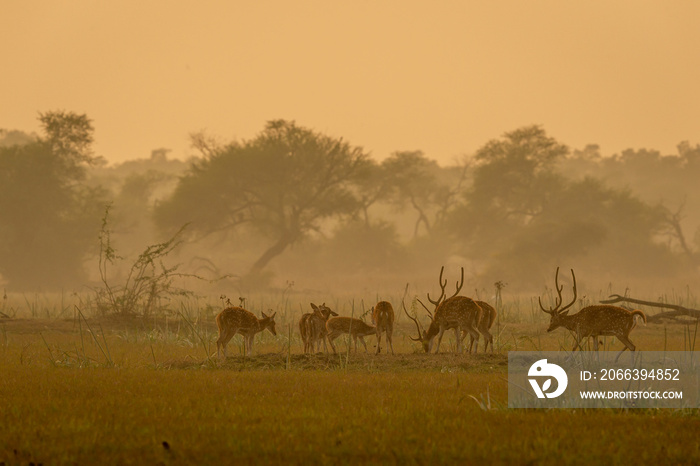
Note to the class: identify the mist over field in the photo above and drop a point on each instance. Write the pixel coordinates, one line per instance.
(296, 209)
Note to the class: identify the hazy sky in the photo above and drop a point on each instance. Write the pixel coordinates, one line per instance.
(443, 77)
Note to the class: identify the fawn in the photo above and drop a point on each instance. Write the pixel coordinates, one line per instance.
(383, 318)
(312, 327)
(337, 326)
(233, 320)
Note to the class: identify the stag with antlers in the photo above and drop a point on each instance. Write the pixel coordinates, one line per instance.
(592, 321)
(456, 312)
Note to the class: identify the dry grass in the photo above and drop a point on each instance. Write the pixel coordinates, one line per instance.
(107, 391)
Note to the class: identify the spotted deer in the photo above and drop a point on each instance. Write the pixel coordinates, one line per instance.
(233, 320)
(592, 321)
(337, 326)
(312, 327)
(383, 319)
(456, 312)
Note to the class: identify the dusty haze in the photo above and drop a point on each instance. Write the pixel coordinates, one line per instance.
(429, 104)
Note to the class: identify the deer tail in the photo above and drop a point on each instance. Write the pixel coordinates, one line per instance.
(640, 313)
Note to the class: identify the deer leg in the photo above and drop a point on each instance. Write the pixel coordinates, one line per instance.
(220, 344)
(487, 338)
(332, 336)
(362, 339)
(442, 330)
(249, 345)
(620, 354)
(628, 344)
(459, 340)
(475, 335)
(388, 339)
(471, 339)
(379, 341)
(223, 341)
(577, 344)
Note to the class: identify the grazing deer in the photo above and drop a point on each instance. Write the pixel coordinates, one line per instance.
(383, 318)
(459, 313)
(233, 320)
(456, 312)
(312, 327)
(337, 326)
(592, 321)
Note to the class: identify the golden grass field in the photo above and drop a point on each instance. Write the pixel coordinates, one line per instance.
(104, 390)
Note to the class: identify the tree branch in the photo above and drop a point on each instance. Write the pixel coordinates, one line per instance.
(678, 310)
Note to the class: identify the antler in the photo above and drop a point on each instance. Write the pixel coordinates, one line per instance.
(442, 288)
(558, 301)
(425, 307)
(443, 285)
(459, 284)
(420, 333)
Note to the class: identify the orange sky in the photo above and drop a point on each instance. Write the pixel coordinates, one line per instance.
(443, 77)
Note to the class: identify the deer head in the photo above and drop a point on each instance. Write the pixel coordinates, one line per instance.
(323, 311)
(558, 314)
(268, 322)
(422, 334)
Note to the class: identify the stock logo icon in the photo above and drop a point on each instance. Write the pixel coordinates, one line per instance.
(541, 369)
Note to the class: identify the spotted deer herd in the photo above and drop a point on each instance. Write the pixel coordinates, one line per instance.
(461, 314)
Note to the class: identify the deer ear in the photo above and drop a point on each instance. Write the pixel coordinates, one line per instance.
(273, 315)
(563, 313)
(314, 307)
(264, 315)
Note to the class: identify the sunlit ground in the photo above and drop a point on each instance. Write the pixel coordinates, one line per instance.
(130, 391)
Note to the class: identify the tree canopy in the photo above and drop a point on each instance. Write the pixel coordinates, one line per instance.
(281, 184)
(49, 218)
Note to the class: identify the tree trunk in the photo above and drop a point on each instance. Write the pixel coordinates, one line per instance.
(273, 251)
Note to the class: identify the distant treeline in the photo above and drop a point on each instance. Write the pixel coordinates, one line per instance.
(293, 202)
